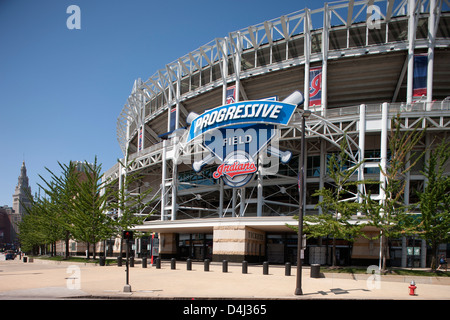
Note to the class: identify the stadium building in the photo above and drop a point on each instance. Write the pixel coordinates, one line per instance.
(217, 134)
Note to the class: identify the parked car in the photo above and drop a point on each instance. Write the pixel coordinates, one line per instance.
(10, 255)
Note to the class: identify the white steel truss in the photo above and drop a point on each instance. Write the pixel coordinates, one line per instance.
(265, 48)
(226, 59)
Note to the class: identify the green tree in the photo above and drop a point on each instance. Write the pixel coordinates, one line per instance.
(128, 200)
(61, 191)
(339, 202)
(389, 214)
(32, 232)
(434, 201)
(41, 225)
(89, 221)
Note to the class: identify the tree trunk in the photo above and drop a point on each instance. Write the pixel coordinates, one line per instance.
(67, 245)
(384, 252)
(334, 252)
(434, 249)
(94, 253)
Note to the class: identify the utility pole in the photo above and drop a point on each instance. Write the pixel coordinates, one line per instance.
(301, 190)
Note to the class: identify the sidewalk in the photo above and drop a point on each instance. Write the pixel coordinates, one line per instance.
(43, 279)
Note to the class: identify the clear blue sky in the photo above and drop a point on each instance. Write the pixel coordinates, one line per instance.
(62, 90)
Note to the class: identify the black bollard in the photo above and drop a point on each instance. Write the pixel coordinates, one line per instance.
(119, 261)
(144, 262)
(224, 266)
(206, 266)
(315, 271)
(132, 262)
(173, 263)
(287, 269)
(158, 263)
(244, 266)
(265, 267)
(188, 264)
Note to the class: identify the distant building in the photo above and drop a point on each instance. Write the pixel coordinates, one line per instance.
(5, 227)
(21, 201)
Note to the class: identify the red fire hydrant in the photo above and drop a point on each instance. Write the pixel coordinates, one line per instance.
(412, 287)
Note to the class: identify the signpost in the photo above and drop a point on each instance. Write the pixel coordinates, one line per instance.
(301, 191)
(127, 236)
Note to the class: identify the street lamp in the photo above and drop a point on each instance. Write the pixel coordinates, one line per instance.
(301, 189)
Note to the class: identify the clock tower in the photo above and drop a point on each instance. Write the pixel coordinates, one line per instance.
(20, 198)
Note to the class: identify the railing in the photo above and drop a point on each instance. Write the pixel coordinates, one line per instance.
(397, 107)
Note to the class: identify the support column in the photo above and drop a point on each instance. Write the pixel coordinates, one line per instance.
(220, 213)
(404, 253)
(383, 164)
(260, 199)
(119, 211)
(325, 33)
(411, 44)
(242, 203)
(362, 146)
(224, 73)
(238, 66)
(383, 148)
(174, 205)
(431, 41)
(177, 97)
(323, 168)
(163, 180)
(233, 203)
(307, 52)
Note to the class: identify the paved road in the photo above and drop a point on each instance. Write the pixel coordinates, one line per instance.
(49, 280)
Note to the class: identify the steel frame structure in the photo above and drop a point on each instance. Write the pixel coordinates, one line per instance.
(302, 38)
(228, 59)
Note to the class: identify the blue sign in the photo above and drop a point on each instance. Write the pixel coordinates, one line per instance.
(249, 138)
(246, 112)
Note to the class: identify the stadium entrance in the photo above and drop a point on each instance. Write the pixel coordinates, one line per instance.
(196, 246)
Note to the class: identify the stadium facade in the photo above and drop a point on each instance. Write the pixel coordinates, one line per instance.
(357, 64)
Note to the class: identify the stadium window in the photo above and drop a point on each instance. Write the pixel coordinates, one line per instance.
(377, 36)
(247, 61)
(296, 48)
(357, 36)
(216, 72)
(338, 39)
(313, 166)
(263, 56)
(398, 31)
(372, 156)
(316, 42)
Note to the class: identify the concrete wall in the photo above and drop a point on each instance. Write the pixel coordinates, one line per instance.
(238, 243)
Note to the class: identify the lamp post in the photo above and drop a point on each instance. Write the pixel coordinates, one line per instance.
(128, 236)
(301, 190)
